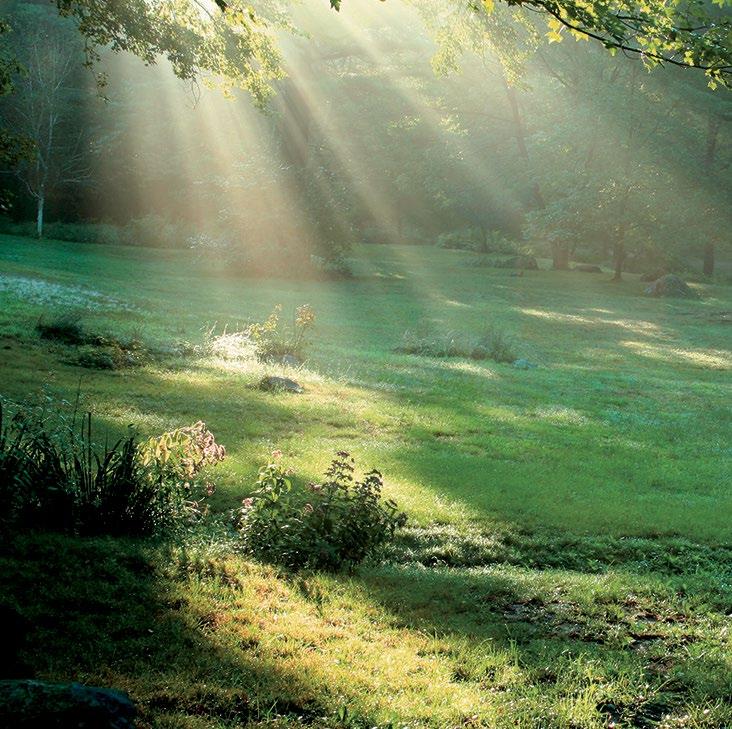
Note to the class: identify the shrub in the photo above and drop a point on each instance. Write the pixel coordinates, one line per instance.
(476, 239)
(154, 231)
(97, 233)
(273, 340)
(53, 478)
(333, 525)
(335, 266)
(519, 262)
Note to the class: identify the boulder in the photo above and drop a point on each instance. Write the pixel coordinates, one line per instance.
(524, 364)
(670, 285)
(587, 268)
(280, 384)
(521, 262)
(28, 704)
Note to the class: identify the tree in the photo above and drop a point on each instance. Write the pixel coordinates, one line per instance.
(13, 147)
(44, 110)
(235, 48)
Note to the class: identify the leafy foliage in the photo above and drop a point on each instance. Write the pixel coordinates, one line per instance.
(333, 525)
(178, 460)
(52, 477)
(233, 48)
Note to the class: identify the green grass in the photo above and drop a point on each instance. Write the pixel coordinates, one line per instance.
(568, 559)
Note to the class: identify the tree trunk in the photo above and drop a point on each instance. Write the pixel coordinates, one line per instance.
(712, 135)
(560, 257)
(619, 252)
(519, 131)
(709, 259)
(39, 215)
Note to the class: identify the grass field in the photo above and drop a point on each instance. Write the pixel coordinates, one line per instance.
(568, 559)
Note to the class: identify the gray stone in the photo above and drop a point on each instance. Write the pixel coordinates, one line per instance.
(587, 268)
(289, 360)
(524, 364)
(283, 384)
(28, 704)
(671, 285)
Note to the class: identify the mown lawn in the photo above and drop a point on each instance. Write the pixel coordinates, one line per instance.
(568, 559)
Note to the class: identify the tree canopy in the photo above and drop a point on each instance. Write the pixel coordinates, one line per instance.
(234, 43)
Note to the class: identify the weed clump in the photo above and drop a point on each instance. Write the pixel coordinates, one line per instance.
(95, 351)
(66, 329)
(333, 525)
(494, 345)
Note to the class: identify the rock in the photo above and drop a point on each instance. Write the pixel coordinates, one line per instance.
(517, 274)
(670, 285)
(284, 384)
(524, 364)
(522, 262)
(28, 704)
(289, 360)
(587, 268)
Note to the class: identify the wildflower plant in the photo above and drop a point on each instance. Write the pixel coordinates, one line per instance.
(273, 340)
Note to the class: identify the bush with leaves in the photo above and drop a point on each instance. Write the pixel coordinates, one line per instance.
(53, 477)
(97, 233)
(155, 231)
(333, 525)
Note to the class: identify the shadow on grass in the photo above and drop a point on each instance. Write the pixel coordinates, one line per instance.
(108, 612)
(651, 653)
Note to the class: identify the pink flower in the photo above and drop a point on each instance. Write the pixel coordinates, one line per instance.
(277, 454)
(248, 503)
